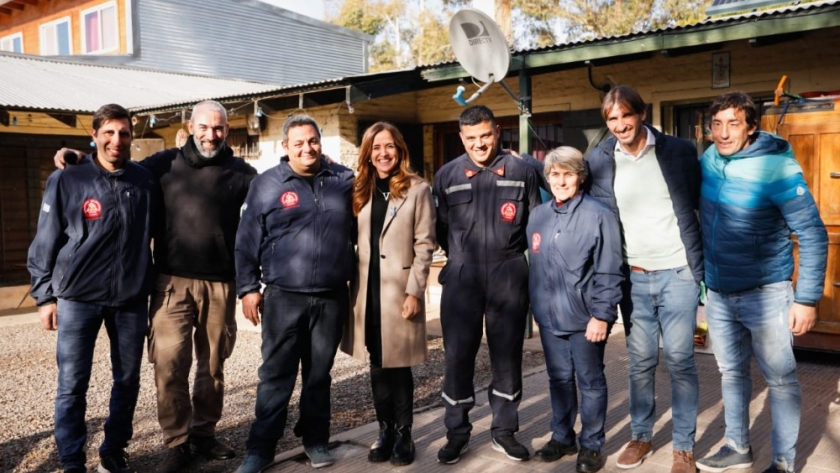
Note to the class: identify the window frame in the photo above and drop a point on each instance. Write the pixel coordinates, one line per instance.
(12, 37)
(54, 24)
(98, 9)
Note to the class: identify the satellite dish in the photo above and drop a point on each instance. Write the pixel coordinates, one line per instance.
(481, 49)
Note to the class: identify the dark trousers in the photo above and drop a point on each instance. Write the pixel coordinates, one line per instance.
(78, 328)
(297, 328)
(570, 357)
(393, 395)
(493, 296)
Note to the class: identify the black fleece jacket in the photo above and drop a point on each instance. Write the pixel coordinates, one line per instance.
(202, 198)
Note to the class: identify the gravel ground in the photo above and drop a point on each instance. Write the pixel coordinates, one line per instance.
(28, 373)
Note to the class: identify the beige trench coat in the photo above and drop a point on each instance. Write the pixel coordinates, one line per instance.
(405, 248)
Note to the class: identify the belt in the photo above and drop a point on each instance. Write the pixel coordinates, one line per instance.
(637, 269)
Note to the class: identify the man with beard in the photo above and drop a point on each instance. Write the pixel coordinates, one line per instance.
(194, 301)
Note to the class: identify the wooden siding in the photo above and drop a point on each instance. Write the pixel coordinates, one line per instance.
(29, 21)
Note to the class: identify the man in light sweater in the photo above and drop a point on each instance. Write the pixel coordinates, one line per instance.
(652, 182)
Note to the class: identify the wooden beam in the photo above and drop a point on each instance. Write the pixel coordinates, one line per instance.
(15, 5)
(5, 11)
(28, 2)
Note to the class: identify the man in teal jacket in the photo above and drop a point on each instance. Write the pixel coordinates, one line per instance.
(753, 196)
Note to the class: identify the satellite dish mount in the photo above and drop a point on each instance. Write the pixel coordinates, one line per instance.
(482, 50)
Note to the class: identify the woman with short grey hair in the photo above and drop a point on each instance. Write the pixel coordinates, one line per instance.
(574, 284)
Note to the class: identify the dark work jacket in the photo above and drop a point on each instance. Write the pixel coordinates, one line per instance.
(94, 232)
(681, 169)
(482, 212)
(202, 199)
(297, 236)
(576, 263)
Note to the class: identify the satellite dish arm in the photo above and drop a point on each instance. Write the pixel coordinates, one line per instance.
(459, 94)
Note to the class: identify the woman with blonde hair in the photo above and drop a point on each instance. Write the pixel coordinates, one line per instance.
(396, 222)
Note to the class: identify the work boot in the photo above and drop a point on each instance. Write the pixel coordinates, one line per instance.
(380, 451)
(403, 453)
(451, 452)
(553, 451)
(176, 460)
(511, 447)
(210, 448)
(588, 461)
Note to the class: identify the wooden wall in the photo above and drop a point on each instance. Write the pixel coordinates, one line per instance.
(29, 20)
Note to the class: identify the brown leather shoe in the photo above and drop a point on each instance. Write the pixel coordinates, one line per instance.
(634, 454)
(683, 462)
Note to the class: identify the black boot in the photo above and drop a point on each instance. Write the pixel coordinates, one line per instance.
(403, 453)
(381, 450)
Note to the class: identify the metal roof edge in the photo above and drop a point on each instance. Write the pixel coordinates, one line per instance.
(79, 60)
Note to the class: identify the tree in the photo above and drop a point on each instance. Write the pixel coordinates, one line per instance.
(590, 19)
(405, 35)
(409, 34)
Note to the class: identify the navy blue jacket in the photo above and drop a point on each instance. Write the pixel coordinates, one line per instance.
(94, 232)
(681, 169)
(301, 235)
(482, 212)
(576, 263)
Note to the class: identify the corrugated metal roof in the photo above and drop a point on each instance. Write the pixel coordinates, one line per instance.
(244, 39)
(402, 74)
(38, 83)
(781, 12)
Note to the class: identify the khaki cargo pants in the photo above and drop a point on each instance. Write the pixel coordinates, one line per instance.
(185, 314)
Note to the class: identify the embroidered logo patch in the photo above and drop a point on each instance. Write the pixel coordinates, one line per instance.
(289, 199)
(470, 173)
(800, 190)
(92, 209)
(508, 211)
(500, 171)
(535, 243)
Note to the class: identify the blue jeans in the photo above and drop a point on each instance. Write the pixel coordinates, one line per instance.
(568, 357)
(756, 321)
(78, 328)
(297, 329)
(662, 303)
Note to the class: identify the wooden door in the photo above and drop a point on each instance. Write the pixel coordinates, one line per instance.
(817, 148)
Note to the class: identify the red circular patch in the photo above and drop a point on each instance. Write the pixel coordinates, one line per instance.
(508, 211)
(289, 199)
(92, 209)
(535, 243)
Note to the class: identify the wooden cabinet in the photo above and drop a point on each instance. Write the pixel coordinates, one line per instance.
(813, 130)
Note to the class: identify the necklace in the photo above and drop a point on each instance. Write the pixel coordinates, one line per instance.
(384, 194)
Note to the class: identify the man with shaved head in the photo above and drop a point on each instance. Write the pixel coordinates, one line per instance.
(193, 305)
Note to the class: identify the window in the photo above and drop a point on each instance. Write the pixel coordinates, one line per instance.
(12, 43)
(100, 32)
(243, 145)
(56, 38)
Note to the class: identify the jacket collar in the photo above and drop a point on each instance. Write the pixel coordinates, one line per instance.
(569, 206)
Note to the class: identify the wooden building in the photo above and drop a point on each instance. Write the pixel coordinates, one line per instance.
(677, 70)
